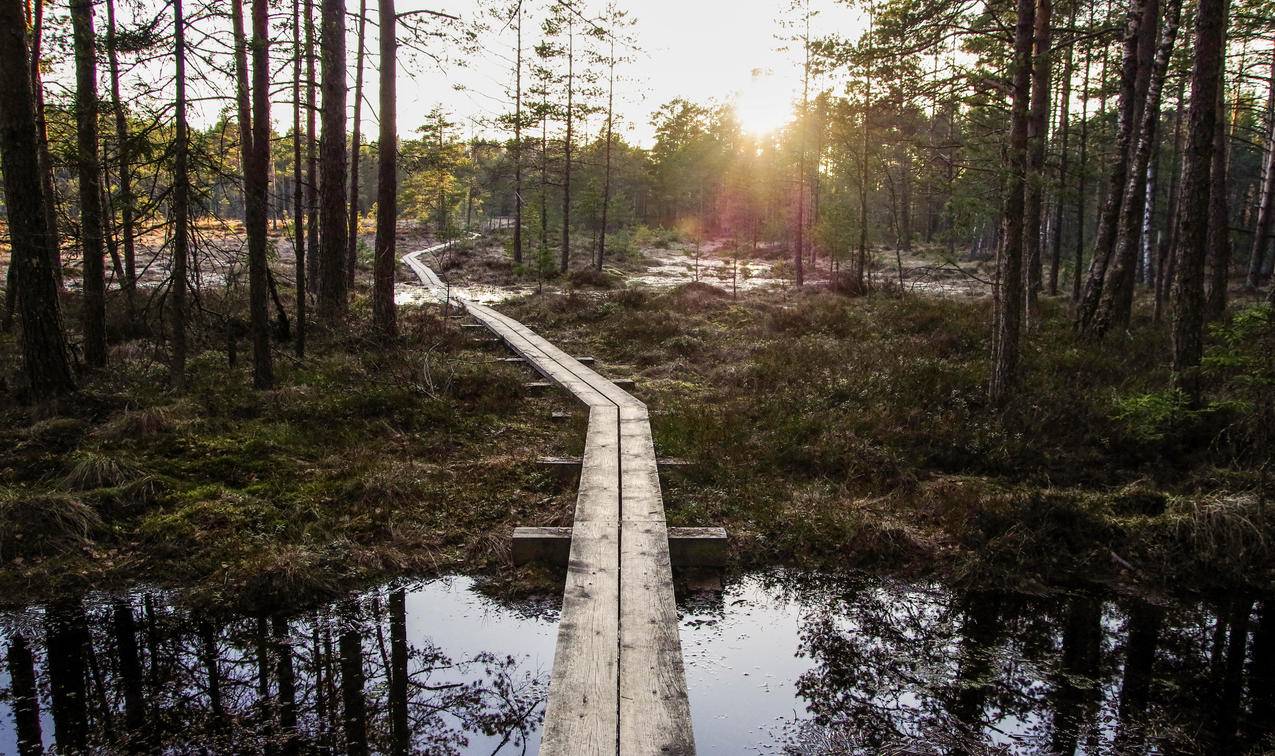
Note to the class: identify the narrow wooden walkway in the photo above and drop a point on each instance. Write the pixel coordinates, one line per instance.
(618, 685)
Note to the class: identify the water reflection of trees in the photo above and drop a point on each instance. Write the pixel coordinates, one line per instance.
(907, 669)
(137, 675)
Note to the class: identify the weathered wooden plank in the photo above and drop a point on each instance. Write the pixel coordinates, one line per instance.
(687, 547)
(655, 713)
(581, 715)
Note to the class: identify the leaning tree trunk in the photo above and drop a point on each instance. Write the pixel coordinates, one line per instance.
(1037, 128)
(1266, 203)
(1188, 305)
(1127, 120)
(90, 173)
(332, 207)
(352, 246)
(1116, 303)
(256, 183)
(383, 312)
(45, 361)
(180, 204)
(1009, 314)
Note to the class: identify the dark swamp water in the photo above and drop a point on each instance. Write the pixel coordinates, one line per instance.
(777, 662)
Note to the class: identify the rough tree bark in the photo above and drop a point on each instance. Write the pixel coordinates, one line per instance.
(312, 157)
(1037, 128)
(352, 246)
(606, 183)
(1064, 131)
(1141, 14)
(180, 204)
(1219, 219)
(93, 305)
(383, 312)
(256, 186)
(1116, 301)
(127, 225)
(45, 361)
(1167, 253)
(1009, 314)
(566, 150)
(1266, 203)
(298, 184)
(332, 157)
(1188, 304)
(518, 139)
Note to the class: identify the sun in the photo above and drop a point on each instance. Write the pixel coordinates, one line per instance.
(764, 104)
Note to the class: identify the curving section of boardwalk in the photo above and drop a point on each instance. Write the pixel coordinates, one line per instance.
(618, 685)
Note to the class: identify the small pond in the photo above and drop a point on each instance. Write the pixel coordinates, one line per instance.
(777, 662)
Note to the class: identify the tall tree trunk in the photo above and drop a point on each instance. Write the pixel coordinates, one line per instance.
(256, 183)
(243, 96)
(287, 684)
(45, 360)
(128, 232)
(352, 248)
(1127, 121)
(67, 642)
(1037, 134)
(861, 259)
(799, 251)
(1188, 305)
(383, 312)
(1064, 130)
(566, 150)
(606, 181)
(1167, 253)
(312, 157)
(1082, 196)
(1266, 203)
(90, 173)
(1116, 301)
(180, 205)
(1219, 236)
(42, 139)
(1009, 316)
(332, 156)
(298, 183)
(518, 140)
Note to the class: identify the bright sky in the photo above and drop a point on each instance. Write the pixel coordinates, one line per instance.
(696, 49)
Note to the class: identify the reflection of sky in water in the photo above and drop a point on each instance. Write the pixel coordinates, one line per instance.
(885, 661)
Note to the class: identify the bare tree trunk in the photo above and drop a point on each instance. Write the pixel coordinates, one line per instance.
(1064, 130)
(1116, 301)
(25, 694)
(355, 705)
(1037, 128)
(1009, 314)
(1167, 253)
(861, 260)
(1188, 305)
(128, 232)
(566, 151)
(1266, 205)
(352, 250)
(518, 141)
(1219, 220)
(383, 312)
(312, 157)
(42, 139)
(399, 723)
(1128, 117)
(606, 183)
(298, 184)
(802, 125)
(256, 188)
(332, 156)
(90, 173)
(45, 361)
(180, 205)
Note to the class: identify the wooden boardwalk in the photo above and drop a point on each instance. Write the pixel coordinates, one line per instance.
(618, 685)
